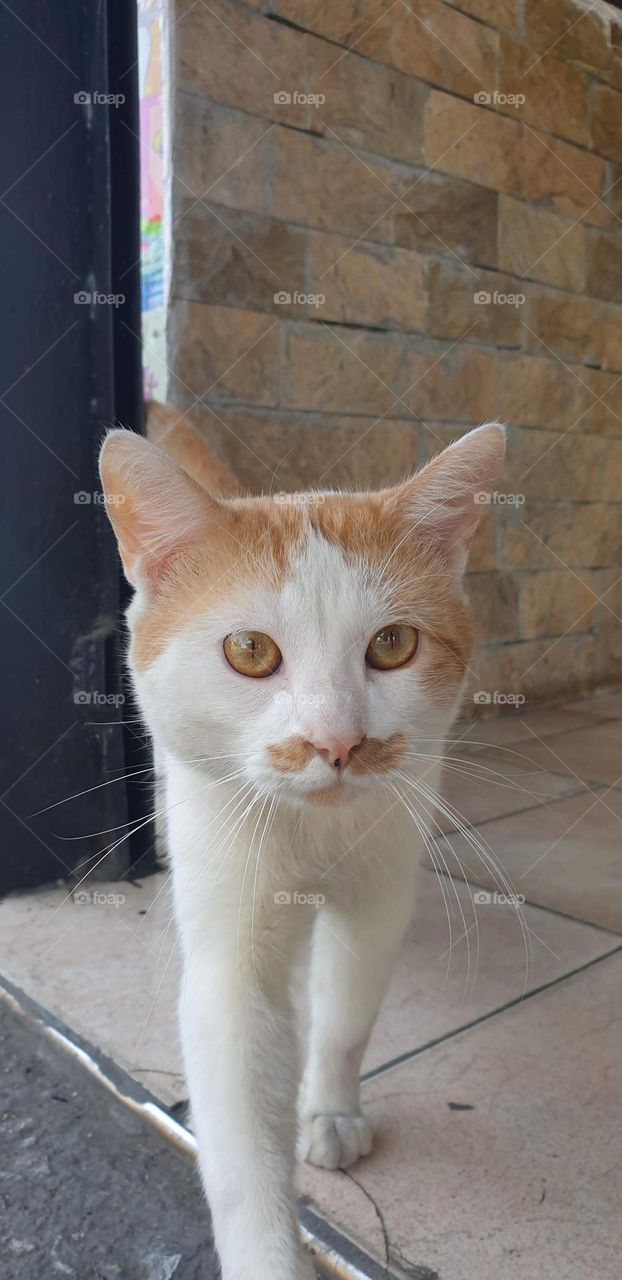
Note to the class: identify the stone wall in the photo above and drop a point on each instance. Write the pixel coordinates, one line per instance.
(392, 222)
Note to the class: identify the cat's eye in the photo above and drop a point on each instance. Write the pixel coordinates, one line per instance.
(392, 647)
(252, 653)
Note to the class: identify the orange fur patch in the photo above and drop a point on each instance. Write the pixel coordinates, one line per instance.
(373, 755)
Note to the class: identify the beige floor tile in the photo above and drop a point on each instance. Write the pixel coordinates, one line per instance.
(606, 706)
(594, 754)
(442, 982)
(482, 782)
(109, 972)
(566, 855)
(104, 968)
(525, 1185)
(516, 725)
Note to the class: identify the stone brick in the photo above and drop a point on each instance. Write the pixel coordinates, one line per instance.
(606, 121)
(585, 535)
(224, 257)
(543, 465)
(432, 42)
(368, 106)
(501, 14)
(536, 244)
(461, 384)
(570, 326)
(221, 155)
(612, 341)
(302, 449)
(539, 670)
(494, 600)
(540, 393)
(604, 259)
(319, 184)
(223, 354)
(367, 284)
(578, 33)
(608, 610)
(563, 176)
(550, 604)
(601, 402)
(347, 371)
(461, 298)
(555, 92)
(446, 215)
(240, 59)
(472, 142)
(236, 58)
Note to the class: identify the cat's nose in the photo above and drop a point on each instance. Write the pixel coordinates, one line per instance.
(337, 751)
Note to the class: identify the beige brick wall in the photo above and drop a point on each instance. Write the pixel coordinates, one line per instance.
(415, 185)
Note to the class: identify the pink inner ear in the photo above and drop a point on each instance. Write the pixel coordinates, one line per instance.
(154, 507)
(442, 499)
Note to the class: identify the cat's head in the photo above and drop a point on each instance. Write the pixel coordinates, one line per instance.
(305, 643)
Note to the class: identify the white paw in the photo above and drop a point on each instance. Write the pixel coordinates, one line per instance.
(335, 1142)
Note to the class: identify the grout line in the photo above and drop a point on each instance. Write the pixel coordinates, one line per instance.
(529, 902)
(486, 1017)
(338, 1256)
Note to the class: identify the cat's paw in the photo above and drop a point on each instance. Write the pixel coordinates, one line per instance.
(335, 1142)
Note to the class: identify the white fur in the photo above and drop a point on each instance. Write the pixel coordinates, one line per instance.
(241, 845)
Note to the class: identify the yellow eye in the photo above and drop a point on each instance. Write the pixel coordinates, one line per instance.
(252, 653)
(392, 647)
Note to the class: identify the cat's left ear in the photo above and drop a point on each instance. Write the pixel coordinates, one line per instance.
(447, 497)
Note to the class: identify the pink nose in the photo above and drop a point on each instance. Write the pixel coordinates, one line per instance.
(337, 751)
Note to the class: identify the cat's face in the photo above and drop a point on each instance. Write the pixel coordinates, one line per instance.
(307, 646)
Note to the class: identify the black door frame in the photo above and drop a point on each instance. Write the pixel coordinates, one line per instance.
(69, 366)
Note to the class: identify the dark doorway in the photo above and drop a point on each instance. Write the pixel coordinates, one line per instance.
(69, 366)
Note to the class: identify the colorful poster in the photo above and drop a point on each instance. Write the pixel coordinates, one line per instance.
(152, 163)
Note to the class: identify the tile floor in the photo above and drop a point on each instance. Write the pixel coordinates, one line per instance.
(496, 1142)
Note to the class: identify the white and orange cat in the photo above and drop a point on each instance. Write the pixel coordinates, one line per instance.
(294, 661)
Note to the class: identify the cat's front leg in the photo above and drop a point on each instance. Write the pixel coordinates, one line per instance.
(240, 1058)
(355, 941)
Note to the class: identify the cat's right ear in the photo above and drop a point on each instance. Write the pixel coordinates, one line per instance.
(155, 509)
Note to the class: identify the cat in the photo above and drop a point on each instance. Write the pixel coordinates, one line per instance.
(298, 663)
